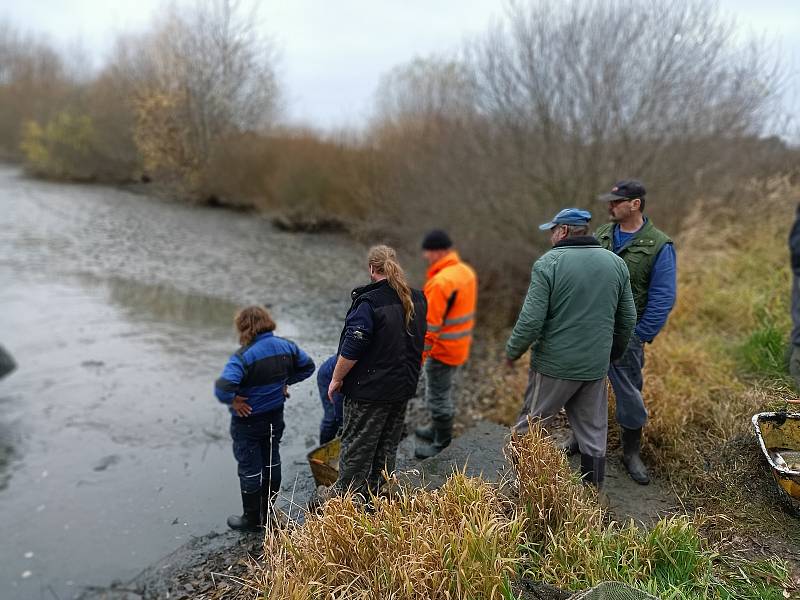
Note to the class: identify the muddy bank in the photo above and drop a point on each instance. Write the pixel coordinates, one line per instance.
(210, 564)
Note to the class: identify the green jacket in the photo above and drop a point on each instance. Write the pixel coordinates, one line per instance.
(639, 254)
(578, 312)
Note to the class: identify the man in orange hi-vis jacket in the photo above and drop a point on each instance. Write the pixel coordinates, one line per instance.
(451, 291)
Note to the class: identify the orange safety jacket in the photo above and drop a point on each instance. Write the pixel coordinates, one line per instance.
(452, 292)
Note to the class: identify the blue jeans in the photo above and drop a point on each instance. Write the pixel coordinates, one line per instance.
(333, 413)
(626, 380)
(331, 419)
(256, 447)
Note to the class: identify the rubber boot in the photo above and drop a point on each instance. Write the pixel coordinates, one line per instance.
(442, 436)
(425, 433)
(251, 515)
(631, 447)
(593, 470)
(570, 446)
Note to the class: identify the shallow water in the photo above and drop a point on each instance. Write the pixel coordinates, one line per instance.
(117, 308)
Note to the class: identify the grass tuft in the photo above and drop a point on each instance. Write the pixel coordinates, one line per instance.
(461, 541)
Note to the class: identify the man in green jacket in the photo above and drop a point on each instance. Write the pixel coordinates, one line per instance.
(578, 315)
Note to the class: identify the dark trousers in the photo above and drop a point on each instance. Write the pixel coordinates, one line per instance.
(626, 378)
(332, 415)
(370, 438)
(256, 447)
(438, 389)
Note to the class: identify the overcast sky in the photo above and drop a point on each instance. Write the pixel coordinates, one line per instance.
(333, 52)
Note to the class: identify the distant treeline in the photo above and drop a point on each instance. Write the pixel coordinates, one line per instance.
(544, 110)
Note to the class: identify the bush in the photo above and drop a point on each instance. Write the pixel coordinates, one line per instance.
(62, 149)
(309, 183)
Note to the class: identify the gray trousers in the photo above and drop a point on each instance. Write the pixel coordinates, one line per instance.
(438, 389)
(586, 403)
(626, 378)
(370, 436)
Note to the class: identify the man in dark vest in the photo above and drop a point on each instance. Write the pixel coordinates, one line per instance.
(380, 356)
(650, 257)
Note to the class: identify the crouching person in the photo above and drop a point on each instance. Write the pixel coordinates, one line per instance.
(577, 316)
(254, 384)
(332, 415)
(380, 355)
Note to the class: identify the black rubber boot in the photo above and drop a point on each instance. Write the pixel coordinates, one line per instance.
(570, 446)
(251, 516)
(442, 436)
(425, 433)
(631, 447)
(593, 470)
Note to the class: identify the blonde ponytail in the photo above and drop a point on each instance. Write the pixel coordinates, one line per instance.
(383, 260)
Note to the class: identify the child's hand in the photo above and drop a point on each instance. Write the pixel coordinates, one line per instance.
(241, 407)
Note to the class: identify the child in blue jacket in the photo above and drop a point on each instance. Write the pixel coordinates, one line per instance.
(254, 385)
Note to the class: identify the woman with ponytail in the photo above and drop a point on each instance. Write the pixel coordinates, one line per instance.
(380, 354)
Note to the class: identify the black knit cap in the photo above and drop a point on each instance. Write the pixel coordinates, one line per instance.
(437, 240)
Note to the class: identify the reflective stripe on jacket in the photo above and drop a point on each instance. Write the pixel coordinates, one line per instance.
(452, 291)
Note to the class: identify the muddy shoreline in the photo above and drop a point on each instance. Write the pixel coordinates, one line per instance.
(212, 563)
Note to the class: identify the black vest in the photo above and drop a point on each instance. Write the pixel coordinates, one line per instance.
(389, 370)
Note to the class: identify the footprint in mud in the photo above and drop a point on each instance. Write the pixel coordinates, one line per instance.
(106, 462)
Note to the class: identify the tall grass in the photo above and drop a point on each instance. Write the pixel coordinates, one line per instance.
(721, 356)
(571, 545)
(471, 539)
(461, 541)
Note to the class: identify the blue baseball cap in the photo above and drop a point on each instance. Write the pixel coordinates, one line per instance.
(568, 216)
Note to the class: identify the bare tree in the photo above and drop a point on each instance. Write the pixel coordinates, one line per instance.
(423, 92)
(585, 91)
(206, 72)
(33, 84)
(553, 104)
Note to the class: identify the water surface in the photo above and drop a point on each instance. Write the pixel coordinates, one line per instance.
(118, 310)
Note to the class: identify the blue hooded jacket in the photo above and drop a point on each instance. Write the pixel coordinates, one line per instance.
(260, 371)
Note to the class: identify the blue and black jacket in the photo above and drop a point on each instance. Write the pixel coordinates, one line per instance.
(260, 371)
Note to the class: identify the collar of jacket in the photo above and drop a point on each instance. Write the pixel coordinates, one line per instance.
(578, 240)
(368, 288)
(448, 260)
(645, 228)
(263, 335)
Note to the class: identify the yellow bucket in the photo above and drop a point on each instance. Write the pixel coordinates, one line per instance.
(324, 462)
